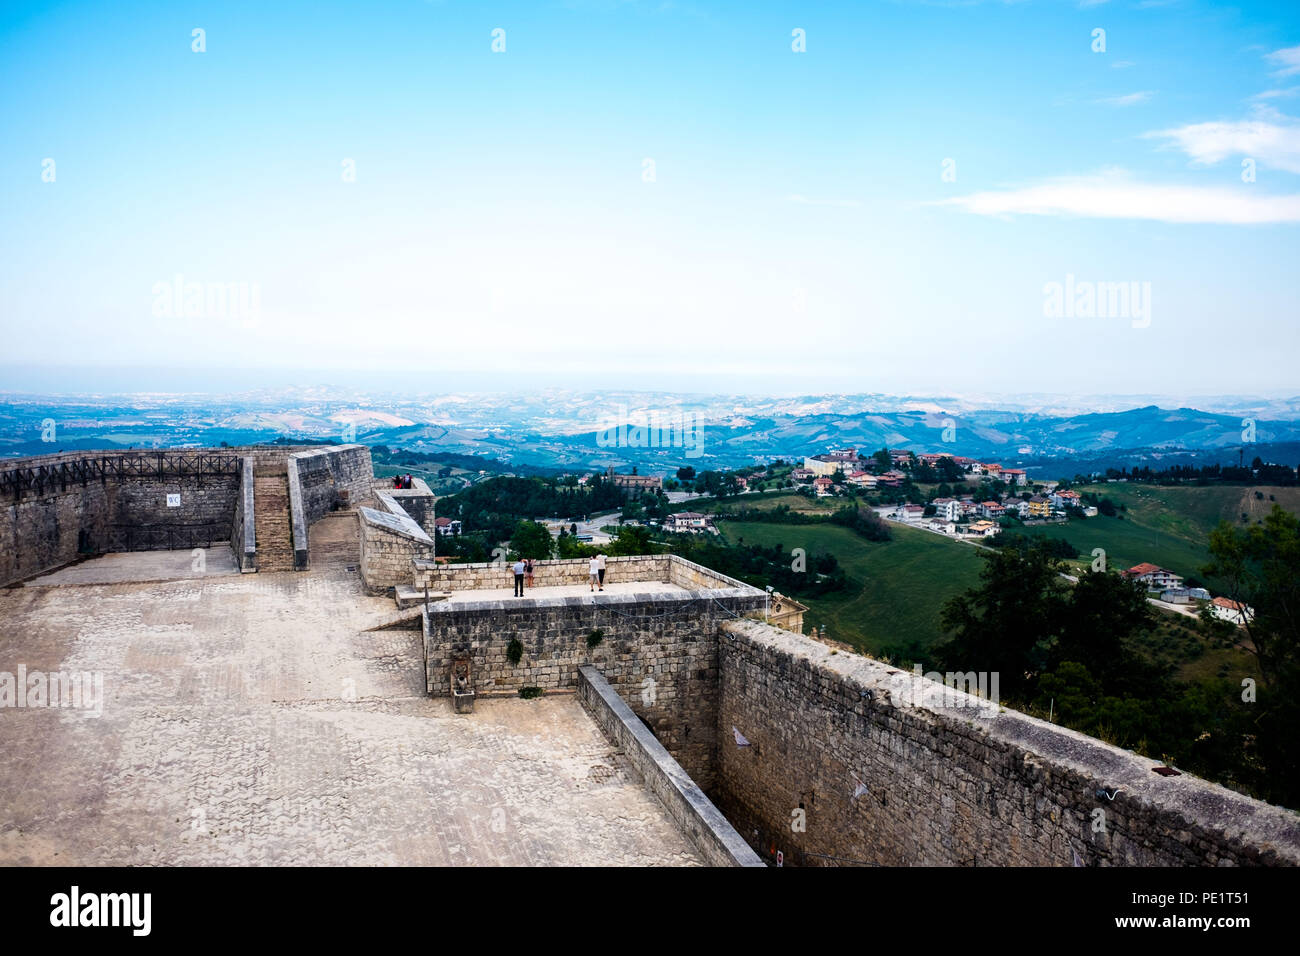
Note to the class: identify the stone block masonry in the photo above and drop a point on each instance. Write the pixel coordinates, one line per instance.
(844, 761)
(55, 507)
(658, 651)
(331, 476)
(716, 839)
(666, 568)
(320, 481)
(417, 501)
(390, 540)
(243, 530)
(92, 502)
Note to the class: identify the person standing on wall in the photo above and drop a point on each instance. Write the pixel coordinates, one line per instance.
(519, 577)
(593, 573)
(528, 572)
(601, 558)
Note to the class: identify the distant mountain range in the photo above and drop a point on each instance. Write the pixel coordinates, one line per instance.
(570, 430)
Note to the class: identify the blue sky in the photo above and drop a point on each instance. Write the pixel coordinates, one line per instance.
(797, 233)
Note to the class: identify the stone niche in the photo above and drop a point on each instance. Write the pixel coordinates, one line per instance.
(462, 685)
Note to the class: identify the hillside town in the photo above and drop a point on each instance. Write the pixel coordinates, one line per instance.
(951, 495)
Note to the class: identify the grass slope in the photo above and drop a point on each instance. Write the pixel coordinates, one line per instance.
(1168, 526)
(895, 589)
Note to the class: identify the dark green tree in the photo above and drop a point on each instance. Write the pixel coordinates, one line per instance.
(1007, 623)
(531, 539)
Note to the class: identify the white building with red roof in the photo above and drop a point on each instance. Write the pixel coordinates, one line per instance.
(1153, 576)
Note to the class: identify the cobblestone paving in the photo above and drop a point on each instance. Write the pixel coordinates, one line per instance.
(144, 566)
(251, 719)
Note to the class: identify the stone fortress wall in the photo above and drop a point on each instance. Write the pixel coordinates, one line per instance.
(54, 508)
(831, 758)
(391, 540)
(825, 757)
(654, 649)
(892, 769)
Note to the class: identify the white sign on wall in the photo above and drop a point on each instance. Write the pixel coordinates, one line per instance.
(173, 501)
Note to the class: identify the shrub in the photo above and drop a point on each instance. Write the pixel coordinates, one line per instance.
(528, 693)
(595, 638)
(515, 651)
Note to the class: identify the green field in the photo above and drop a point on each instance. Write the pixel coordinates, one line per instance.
(1168, 526)
(895, 589)
(765, 501)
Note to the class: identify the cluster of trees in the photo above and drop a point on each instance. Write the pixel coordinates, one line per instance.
(761, 566)
(862, 521)
(1078, 651)
(491, 508)
(1259, 472)
(532, 539)
(644, 506)
(720, 484)
(1103, 505)
(1055, 547)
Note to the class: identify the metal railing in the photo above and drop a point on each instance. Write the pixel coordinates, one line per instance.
(39, 479)
(163, 537)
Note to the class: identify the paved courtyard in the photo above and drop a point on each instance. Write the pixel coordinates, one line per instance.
(137, 566)
(253, 719)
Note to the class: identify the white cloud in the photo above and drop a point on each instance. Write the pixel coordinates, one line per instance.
(1121, 64)
(1114, 195)
(1272, 144)
(1287, 59)
(1276, 94)
(1128, 99)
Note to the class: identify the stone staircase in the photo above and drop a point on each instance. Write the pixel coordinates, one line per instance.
(274, 532)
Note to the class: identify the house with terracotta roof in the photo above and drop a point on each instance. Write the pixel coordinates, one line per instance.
(1153, 576)
(823, 487)
(1015, 476)
(1226, 609)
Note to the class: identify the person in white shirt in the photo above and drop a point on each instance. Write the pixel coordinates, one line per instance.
(519, 577)
(601, 558)
(593, 573)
